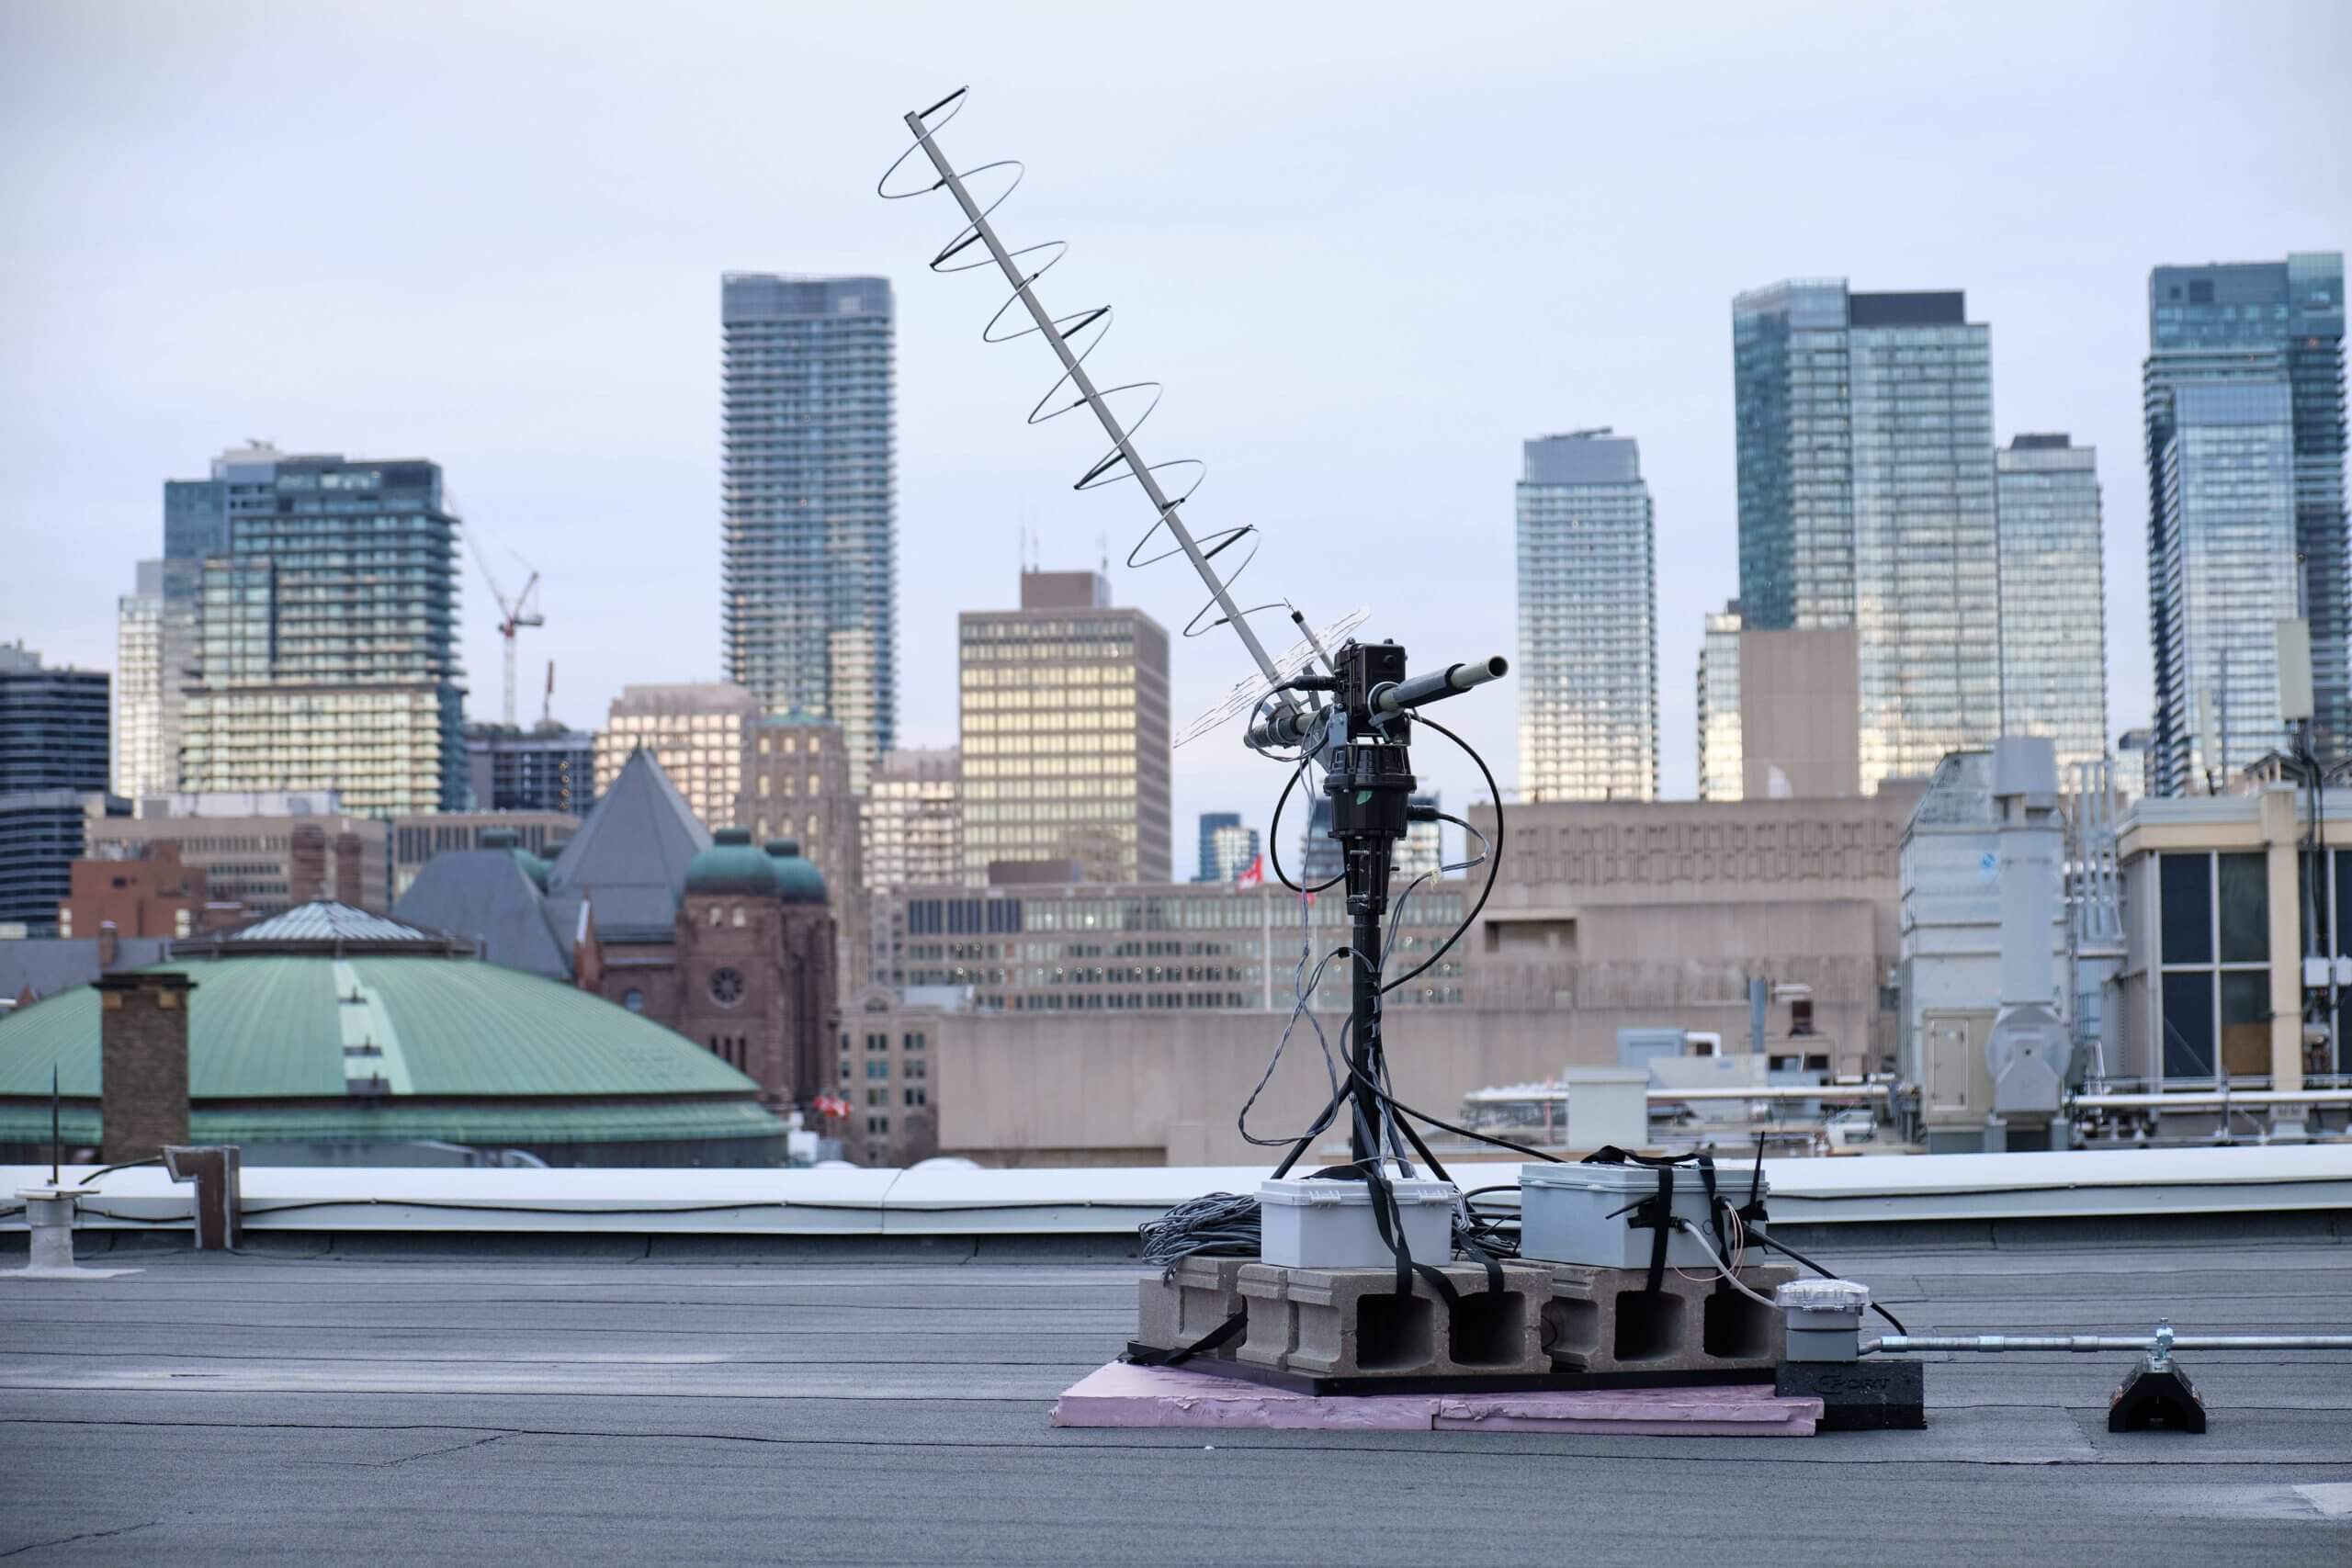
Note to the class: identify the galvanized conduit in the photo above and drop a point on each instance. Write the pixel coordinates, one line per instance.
(2088, 1342)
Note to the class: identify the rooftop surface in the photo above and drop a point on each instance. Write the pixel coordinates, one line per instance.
(872, 1401)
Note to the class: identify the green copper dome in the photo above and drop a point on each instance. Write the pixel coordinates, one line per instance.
(732, 865)
(798, 880)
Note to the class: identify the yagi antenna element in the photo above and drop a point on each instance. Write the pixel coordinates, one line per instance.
(1085, 329)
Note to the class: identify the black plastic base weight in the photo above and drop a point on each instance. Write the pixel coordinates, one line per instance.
(1859, 1396)
(2153, 1398)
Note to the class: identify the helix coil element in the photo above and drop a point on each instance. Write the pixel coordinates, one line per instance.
(1222, 556)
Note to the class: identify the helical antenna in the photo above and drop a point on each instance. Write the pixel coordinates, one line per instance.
(1073, 338)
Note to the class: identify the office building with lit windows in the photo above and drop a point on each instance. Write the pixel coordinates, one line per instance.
(326, 655)
(1065, 741)
(2054, 597)
(1587, 621)
(912, 819)
(694, 730)
(809, 547)
(2243, 392)
(1866, 500)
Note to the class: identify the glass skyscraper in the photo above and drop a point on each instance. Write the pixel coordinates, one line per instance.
(1227, 848)
(1865, 432)
(1587, 621)
(809, 562)
(2054, 599)
(2243, 395)
(1719, 749)
(327, 653)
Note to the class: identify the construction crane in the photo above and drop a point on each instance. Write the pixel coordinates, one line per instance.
(513, 613)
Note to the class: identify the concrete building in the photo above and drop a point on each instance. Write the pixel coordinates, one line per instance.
(1609, 916)
(265, 860)
(694, 729)
(796, 785)
(54, 774)
(1796, 689)
(2212, 984)
(1065, 739)
(1178, 946)
(1866, 500)
(415, 840)
(2243, 398)
(809, 606)
(1587, 621)
(548, 767)
(327, 655)
(324, 1035)
(1721, 775)
(2053, 596)
(883, 1078)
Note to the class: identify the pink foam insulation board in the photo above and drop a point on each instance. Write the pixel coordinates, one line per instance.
(1124, 1395)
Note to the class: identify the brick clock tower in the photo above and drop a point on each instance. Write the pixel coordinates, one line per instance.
(756, 946)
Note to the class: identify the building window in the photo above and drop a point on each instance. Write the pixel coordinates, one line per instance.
(633, 1000)
(877, 1123)
(739, 916)
(917, 1097)
(914, 1040)
(2213, 988)
(877, 1042)
(878, 1068)
(877, 1096)
(726, 987)
(716, 912)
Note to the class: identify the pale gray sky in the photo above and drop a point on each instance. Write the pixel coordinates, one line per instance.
(1369, 247)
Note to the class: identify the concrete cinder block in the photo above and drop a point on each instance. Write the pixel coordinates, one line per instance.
(1607, 1320)
(1190, 1299)
(1351, 1322)
(1272, 1333)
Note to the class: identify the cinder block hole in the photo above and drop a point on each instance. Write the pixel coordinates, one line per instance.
(1649, 1326)
(1394, 1331)
(1488, 1329)
(1571, 1327)
(1736, 1329)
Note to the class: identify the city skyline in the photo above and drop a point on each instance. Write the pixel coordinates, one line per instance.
(637, 416)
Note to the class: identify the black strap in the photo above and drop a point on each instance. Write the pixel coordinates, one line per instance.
(1214, 1337)
(1752, 1212)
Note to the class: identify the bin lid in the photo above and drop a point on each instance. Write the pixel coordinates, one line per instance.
(1822, 1295)
(1730, 1181)
(1298, 1191)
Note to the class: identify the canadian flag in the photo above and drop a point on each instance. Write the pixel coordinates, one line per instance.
(1254, 875)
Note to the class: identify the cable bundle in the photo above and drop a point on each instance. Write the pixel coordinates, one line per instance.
(1219, 1224)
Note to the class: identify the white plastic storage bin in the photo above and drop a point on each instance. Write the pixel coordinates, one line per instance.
(1568, 1213)
(1308, 1224)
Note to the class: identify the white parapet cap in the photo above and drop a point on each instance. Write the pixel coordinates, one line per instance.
(1108, 1201)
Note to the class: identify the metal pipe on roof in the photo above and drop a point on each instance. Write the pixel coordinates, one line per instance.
(2207, 1099)
(1672, 1096)
(2085, 1343)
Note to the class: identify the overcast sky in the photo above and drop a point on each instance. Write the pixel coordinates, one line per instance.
(1369, 248)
